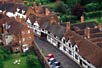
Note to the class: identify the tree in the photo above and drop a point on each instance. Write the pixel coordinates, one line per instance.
(71, 3)
(1, 64)
(31, 61)
(78, 10)
(61, 7)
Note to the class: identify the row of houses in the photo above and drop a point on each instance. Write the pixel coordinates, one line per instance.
(14, 19)
(68, 39)
(19, 27)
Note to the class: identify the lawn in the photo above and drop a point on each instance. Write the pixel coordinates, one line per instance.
(9, 63)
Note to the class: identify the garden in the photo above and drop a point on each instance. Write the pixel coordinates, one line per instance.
(18, 60)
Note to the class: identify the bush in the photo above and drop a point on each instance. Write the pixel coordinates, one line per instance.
(1, 64)
(91, 7)
(23, 54)
(4, 54)
(93, 14)
(78, 10)
(31, 61)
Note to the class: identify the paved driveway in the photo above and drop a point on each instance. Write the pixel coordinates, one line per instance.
(48, 48)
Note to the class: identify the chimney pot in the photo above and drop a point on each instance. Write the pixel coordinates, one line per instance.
(100, 27)
(67, 26)
(87, 32)
(82, 19)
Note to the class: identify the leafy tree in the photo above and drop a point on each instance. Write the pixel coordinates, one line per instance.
(61, 7)
(78, 10)
(31, 61)
(1, 64)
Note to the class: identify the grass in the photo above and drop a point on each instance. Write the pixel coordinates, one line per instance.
(9, 63)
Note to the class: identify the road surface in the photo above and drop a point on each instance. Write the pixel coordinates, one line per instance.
(46, 48)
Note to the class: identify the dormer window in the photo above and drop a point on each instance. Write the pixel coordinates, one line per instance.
(23, 11)
(18, 9)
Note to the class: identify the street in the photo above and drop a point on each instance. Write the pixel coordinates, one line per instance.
(46, 48)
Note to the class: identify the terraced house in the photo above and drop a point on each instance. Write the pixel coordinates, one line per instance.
(75, 41)
(14, 30)
(81, 42)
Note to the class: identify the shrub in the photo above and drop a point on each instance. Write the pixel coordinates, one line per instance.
(93, 14)
(61, 7)
(31, 61)
(1, 64)
(72, 19)
(78, 10)
(91, 7)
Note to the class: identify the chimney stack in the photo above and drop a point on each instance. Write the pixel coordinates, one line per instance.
(82, 19)
(67, 26)
(47, 12)
(87, 32)
(100, 27)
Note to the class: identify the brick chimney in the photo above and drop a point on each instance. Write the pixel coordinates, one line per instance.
(67, 26)
(18, 18)
(47, 12)
(14, 1)
(82, 19)
(100, 27)
(87, 32)
(52, 20)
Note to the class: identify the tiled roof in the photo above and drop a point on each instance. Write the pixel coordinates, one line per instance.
(87, 49)
(56, 30)
(84, 25)
(10, 7)
(15, 27)
(3, 19)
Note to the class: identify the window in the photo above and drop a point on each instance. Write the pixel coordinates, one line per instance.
(89, 67)
(69, 45)
(29, 38)
(76, 57)
(19, 41)
(23, 39)
(28, 31)
(70, 52)
(64, 48)
(76, 49)
(63, 41)
(23, 32)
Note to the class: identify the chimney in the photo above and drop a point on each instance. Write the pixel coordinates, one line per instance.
(67, 26)
(52, 20)
(18, 18)
(14, 1)
(87, 32)
(34, 4)
(100, 27)
(82, 19)
(47, 12)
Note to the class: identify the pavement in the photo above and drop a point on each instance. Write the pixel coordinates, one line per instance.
(46, 48)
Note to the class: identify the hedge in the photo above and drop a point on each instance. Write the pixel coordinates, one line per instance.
(93, 14)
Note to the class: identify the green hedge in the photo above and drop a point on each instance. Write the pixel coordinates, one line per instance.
(65, 18)
(93, 14)
(72, 19)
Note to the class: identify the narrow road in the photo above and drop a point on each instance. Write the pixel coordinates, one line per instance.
(48, 48)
